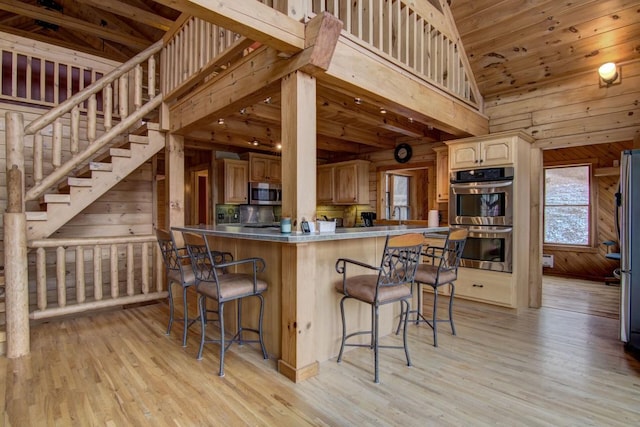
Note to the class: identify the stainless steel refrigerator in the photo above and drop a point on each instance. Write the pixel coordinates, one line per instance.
(629, 200)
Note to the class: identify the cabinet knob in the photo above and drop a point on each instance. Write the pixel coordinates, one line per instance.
(475, 161)
(476, 285)
(481, 160)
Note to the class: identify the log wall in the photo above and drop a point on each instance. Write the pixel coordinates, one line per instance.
(578, 120)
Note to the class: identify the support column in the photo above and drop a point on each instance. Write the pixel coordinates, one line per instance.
(15, 242)
(299, 202)
(174, 176)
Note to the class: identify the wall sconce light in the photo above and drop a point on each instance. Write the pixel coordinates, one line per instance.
(609, 74)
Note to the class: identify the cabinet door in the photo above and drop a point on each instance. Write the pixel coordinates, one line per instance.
(324, 190)
(464, 156)
(274, 170)
(236, 188)
(346, 184)
(259, 169)
(442, 175)
(487, 286)
(497, 153)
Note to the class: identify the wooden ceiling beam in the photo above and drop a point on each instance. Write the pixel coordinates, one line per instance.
(131, 12)
(250, 18)
(65, 21)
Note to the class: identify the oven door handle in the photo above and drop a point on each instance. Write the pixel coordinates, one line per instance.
(483, 185)
(494, 230)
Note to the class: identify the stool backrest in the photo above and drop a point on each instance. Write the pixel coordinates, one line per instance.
(452, 249)
(400, 259)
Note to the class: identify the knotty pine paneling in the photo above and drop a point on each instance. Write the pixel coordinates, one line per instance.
(591, 264)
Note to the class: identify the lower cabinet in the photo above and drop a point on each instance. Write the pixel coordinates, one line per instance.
(487, 286)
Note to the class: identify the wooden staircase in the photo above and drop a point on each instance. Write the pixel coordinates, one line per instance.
(92, 181)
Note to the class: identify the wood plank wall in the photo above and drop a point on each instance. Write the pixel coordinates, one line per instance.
(575, 120)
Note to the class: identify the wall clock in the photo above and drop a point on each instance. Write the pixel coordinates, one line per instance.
(402, 153)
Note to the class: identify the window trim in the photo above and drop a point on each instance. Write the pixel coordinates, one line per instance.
(591, 163)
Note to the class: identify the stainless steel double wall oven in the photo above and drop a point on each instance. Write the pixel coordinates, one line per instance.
(482, 201)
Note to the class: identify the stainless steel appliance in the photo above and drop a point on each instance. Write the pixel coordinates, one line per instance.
(265, 193)
(482, 197)
(488, 248)
(482, 201)
(629, 199)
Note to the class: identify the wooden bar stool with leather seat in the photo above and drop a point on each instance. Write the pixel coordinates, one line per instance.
(391, 283)
(222, 287)
(441, 270)
(178, 271)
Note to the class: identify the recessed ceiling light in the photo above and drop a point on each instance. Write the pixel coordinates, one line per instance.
(256, 142)
(267, 100)
(279, 146)
(220, 121)
(410, 119)
(358, 101)
(243, 111)
(383, 111)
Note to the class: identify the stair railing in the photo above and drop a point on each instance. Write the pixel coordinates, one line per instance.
(118, 101)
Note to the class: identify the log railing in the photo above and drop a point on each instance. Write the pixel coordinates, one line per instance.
(195, 51)
(81, 274)
(413, 34)
(131, 101)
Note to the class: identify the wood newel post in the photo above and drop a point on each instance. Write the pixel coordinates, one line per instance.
(15, 242)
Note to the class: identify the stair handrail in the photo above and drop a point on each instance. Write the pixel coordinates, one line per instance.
(66, 106)
(54, 177)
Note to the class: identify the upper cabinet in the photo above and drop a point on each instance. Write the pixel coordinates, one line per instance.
(264, 168)
(481, 154)
(345, 183)
(233, 177)
(442, 174)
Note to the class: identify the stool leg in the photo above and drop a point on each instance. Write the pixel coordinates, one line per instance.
(186, 316)
(240, 322)
(344, 329)
(404, 335)
(453, 290)
(222, 349)
(169, 285)
(435, 316)
(203, 322)
(264, 350)
(419, 307)
(375, 343)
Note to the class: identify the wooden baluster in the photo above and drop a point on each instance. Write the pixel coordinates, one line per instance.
(80, 291)
(123, 101)
(41, 278)
(145, 268)
(14, 74)
(130, 269)
(75, 129)
(158, 268)
(137, 87)
(56, 149)
(151, 76)
(114, 271)
(107, 101)
(37, 157)
(97, 272)
(61, 276)
(92, 114)
(29, 78)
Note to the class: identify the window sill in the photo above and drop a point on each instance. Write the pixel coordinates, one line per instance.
(569, 248)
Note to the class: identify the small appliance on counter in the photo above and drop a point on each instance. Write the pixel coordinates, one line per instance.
(367, 218)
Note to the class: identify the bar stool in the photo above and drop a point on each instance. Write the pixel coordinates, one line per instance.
(442, 270)
(212, 281)
(178, 271)
(391, 283)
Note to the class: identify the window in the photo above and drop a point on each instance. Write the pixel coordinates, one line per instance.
(397, 197)
(567, 197)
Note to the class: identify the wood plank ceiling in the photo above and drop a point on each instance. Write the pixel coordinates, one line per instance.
(512, 45)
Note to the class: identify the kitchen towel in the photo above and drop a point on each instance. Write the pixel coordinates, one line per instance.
(434, 220)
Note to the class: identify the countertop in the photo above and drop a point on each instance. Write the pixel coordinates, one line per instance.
(274, 234)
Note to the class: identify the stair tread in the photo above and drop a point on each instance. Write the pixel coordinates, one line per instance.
(36, 215)
(57, 198)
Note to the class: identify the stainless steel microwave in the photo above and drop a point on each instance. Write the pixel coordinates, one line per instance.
(265, 193)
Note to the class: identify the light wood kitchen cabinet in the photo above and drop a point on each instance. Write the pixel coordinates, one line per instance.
(487, 286)
(481, 154)
(324, 184)
(351, 183)
(234, 178)
(442, 174)
(264, 168)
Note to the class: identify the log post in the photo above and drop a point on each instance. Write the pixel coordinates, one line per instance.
(15, 242)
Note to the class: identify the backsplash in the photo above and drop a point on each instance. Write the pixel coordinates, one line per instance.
(247, 214)
(350, 214)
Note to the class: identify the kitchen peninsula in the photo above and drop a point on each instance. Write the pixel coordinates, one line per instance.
(302, 320)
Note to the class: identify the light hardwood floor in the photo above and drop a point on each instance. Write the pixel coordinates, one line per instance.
(546, 367)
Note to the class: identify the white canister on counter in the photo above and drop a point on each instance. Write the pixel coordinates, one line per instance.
(434, 218)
